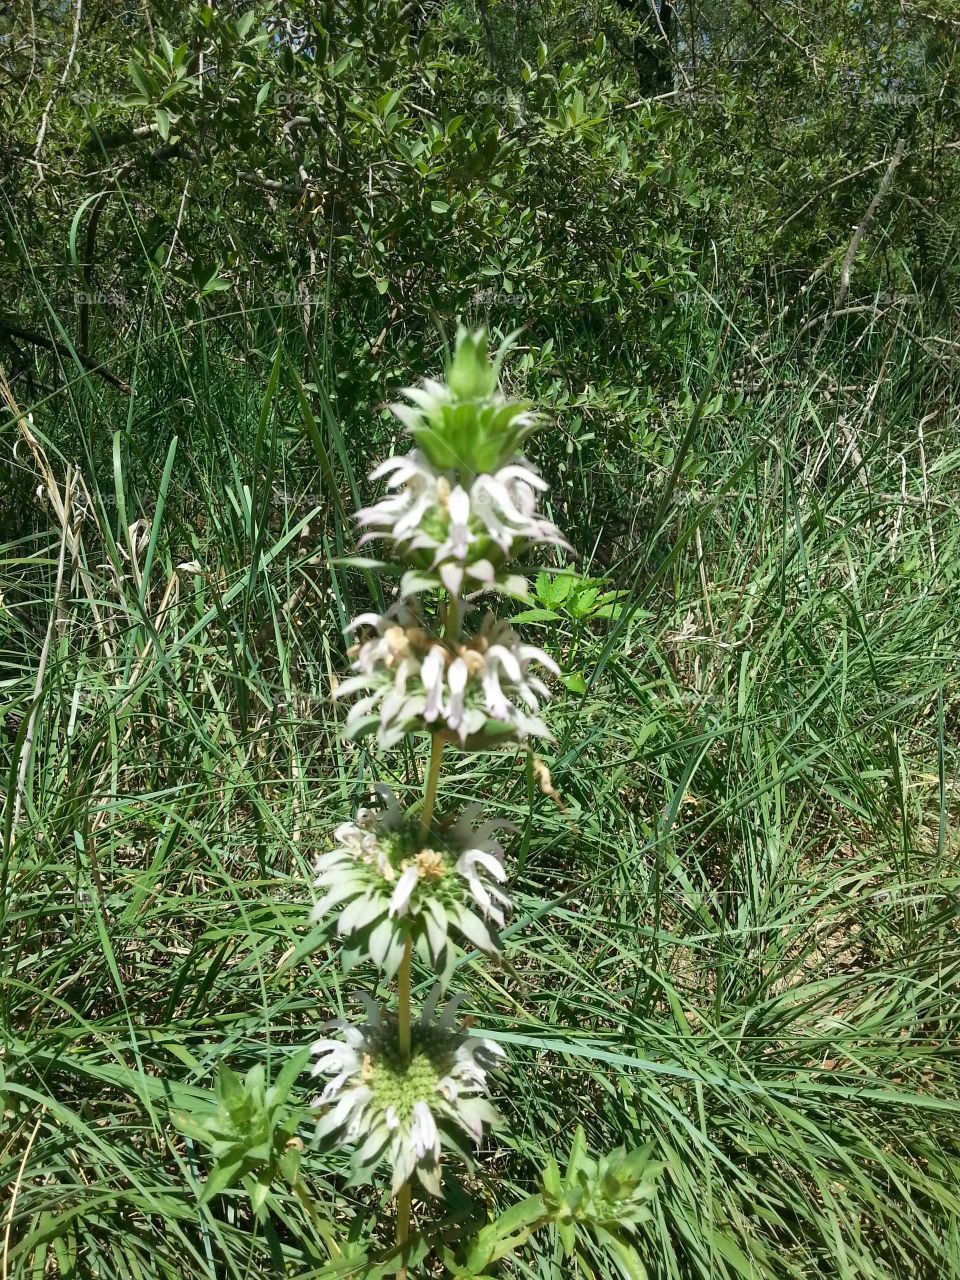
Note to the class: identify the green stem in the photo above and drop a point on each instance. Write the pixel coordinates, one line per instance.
(433, 778)
(403, 1222)
(451, 622)
(404, 1029)
(404, 1038)
(403, 1000)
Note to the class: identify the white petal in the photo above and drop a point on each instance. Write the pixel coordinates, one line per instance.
(423, 1132)
(482, 570)
(402, 893)
(507, 660)
(518, 473)
(529, 652)
(486, 860)
(475, 931)
(459, 505)
(451, 575)
(391, 464)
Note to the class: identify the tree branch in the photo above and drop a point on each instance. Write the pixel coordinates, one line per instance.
(64, 353)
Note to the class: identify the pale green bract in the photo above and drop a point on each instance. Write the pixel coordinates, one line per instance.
(465, 423)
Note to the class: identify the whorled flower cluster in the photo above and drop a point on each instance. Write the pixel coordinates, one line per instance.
(459, 535)
(387, 881)
(404, 1110)
(410, 679)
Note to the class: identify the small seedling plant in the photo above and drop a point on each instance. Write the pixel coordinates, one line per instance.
(407, 1089)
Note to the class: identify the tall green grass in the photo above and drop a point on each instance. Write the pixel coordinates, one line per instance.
(737, 920)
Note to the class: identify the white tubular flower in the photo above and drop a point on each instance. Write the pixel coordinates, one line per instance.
(482, 852)
(338, 1060)
(404, 1111)
(385, 882)
(511, 690)
(506, 502)
(424, 1137)
(483, 690)
(387, 674)
(459, 532)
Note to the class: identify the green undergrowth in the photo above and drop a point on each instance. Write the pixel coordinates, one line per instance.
(736, 888)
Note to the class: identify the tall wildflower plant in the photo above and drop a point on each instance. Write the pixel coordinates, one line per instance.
(460, 507)
(407, 1088)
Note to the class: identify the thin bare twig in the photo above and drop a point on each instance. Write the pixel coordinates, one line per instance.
(45, 119)
(847, 177)
(176, 229)
(58, 349)
(865, 221)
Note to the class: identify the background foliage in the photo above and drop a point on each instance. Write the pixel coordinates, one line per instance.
(729, 233)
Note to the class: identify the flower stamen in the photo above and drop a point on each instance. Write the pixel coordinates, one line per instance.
(431, 864)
